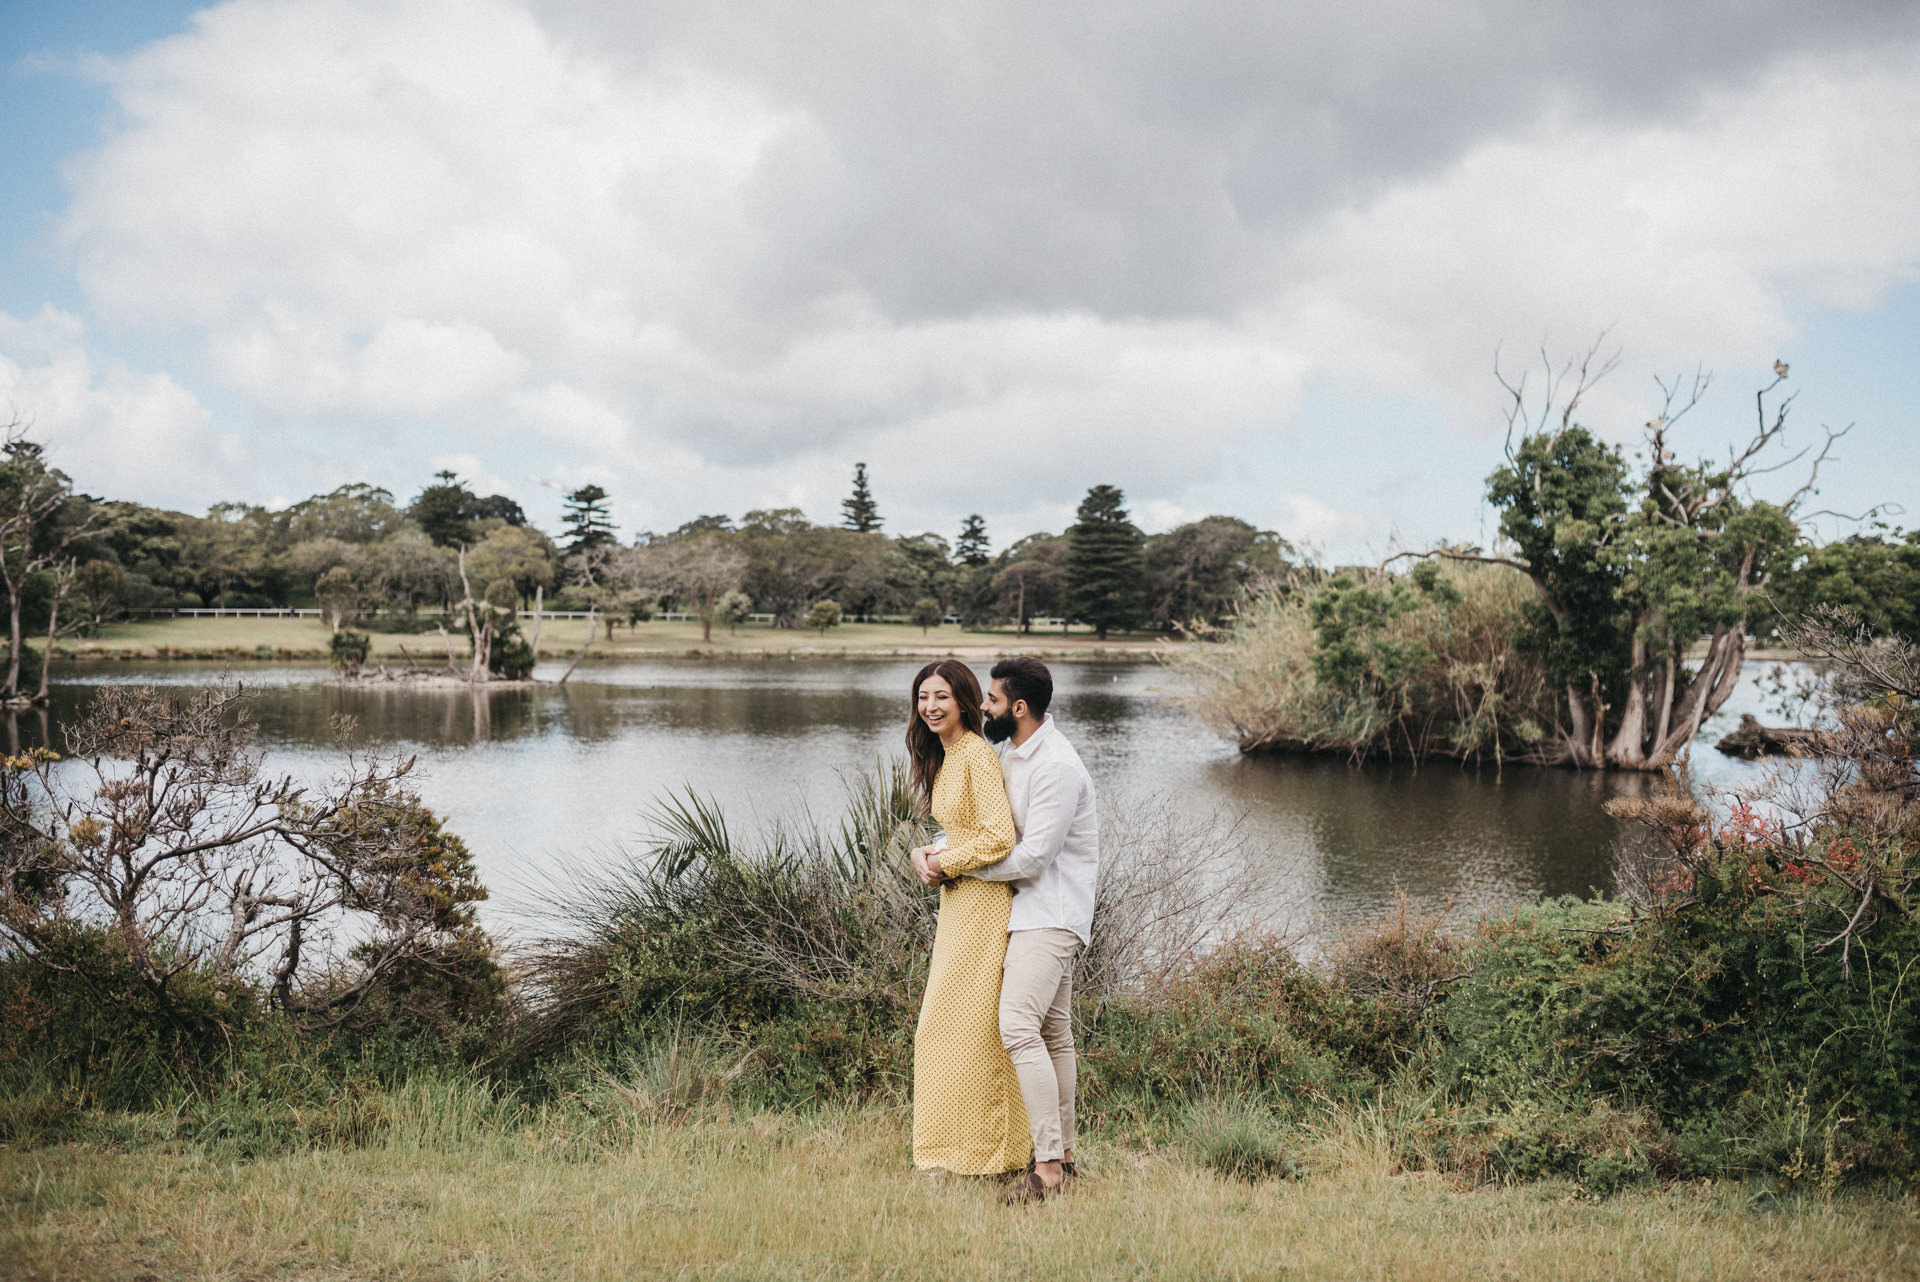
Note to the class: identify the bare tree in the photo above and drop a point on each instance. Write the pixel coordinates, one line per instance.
(168, 832)
(701, 570)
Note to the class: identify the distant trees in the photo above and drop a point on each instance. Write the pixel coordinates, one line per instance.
(858, 512)
(41, 521)
(1876, 576)
(1104, 564)
(704, 571)
(1030, 579)
(1196, 573)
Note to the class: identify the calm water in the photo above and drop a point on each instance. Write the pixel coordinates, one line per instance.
(535, 779)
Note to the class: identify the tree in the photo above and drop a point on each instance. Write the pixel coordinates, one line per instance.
(1104, 568)
(933, 573)
(1197, 571)
(1029, 578)
(733, 609)
(447, 512)
(824, 615)
(586, 519)
(406, 571)
(1876, 576)
(792, 562)
(703, 571)
(1630, 571)
(229, 549)
(972, 548)
(926, 613)
(337, 595)
(41, 520)
(355, 513)
(444, 512)
(858, 511)
(163, 833)
(517, 553)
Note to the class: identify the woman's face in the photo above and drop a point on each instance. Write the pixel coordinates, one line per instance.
(937, 708)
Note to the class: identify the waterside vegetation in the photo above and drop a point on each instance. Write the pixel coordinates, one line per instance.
(1608, 622)
(1741, 1030)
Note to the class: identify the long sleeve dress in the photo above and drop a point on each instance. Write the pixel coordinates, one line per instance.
(968, 1116)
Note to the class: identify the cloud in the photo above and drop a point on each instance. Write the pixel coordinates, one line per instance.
(708, 257)
(116, 430)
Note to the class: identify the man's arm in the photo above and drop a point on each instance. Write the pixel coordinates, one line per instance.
(1051, 800)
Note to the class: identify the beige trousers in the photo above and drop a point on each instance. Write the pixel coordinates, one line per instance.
(1036, 1026)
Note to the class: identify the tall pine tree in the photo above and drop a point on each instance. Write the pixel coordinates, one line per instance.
(1105, 569)
(858, 511)
(972, 546)
(588, 524)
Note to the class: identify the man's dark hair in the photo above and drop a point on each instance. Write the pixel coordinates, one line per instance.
(1026, 679)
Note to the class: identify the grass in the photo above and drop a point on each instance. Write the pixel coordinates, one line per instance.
(561, 638)
(827, 1195)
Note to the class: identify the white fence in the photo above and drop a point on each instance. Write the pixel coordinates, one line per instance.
(290, 612)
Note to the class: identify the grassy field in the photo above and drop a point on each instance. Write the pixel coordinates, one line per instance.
(827, 1196)
(561, 638)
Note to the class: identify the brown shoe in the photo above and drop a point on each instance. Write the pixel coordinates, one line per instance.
(1069, 1170)
(1030, 1188)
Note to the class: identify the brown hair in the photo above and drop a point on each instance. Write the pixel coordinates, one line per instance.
(925, 753)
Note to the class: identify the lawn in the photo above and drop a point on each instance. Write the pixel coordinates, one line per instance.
(826, 1195)
(209, 637)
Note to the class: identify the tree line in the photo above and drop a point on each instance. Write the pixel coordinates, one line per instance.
(71, 562)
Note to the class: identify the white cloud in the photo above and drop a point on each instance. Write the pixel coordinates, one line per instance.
(709, 259)
(115, 430)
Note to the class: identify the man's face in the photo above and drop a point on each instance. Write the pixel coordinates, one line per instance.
(1000, 721)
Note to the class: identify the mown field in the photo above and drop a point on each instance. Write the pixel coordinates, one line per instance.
(827, 1195)
(561, 638)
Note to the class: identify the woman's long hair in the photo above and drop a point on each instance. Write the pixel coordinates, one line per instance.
(925, 752)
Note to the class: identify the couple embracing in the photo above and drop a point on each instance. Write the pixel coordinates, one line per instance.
(993, 1057)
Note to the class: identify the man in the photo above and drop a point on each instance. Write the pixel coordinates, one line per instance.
(1054, 868)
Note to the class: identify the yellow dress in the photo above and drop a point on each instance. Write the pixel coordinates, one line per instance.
(968, 1117)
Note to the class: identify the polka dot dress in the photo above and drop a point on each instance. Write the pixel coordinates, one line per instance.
(968, 1117)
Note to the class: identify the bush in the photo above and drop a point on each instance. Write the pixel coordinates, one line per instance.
(1374, 663)
(349, 649)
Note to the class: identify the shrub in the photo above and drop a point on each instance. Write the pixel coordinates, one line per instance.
(349, 649)
(1374, 663)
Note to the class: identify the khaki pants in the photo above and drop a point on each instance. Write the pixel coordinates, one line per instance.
(1036, 1026)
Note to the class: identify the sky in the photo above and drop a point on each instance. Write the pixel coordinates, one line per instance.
(1229, 256)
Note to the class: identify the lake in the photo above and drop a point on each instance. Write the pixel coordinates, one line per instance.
(538, 779)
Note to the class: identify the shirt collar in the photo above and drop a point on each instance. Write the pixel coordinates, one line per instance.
(1025, 750)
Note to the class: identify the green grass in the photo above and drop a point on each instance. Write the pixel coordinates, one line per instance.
(307, 638)
(829, 1195)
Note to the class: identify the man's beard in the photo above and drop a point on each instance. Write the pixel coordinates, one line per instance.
(999, 729)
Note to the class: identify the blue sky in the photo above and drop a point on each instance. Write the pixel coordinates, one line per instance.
(711, 258)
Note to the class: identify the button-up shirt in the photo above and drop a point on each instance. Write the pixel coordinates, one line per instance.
(1055, 865)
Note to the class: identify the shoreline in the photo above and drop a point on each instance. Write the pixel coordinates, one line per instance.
(1140, 653)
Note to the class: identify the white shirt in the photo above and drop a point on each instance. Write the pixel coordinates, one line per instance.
(1055, 864)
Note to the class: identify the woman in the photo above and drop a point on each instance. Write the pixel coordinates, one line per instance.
(968, 1117)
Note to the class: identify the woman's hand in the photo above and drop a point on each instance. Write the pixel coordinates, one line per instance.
(926, 863)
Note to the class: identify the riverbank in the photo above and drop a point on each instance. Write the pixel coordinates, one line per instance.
(828, 1195)
(248, 639)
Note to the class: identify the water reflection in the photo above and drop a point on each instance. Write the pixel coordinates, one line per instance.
(534, 777)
